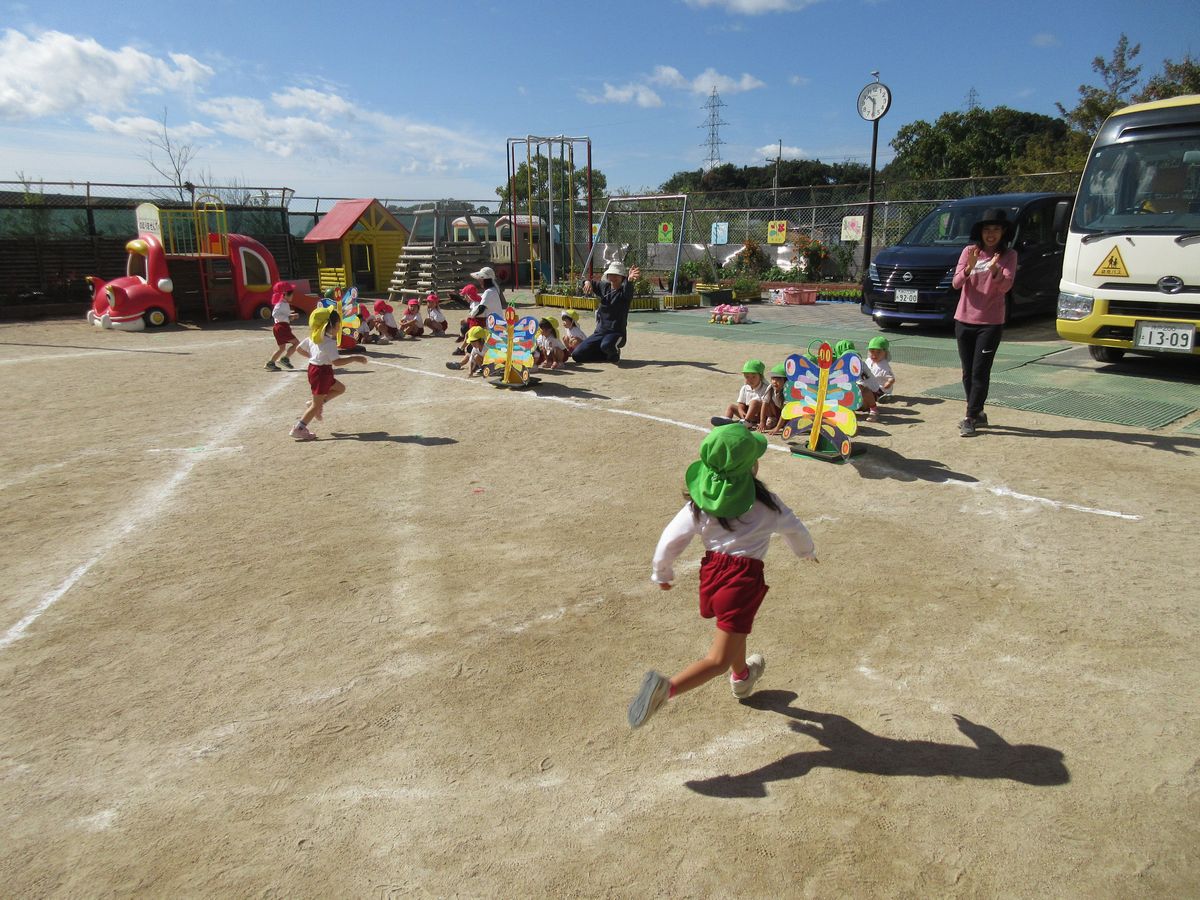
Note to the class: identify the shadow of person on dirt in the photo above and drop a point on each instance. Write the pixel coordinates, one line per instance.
(878, 463)
(851, 747)
(1181, 444)
(553, 389)
(669, 364)
(394, 438)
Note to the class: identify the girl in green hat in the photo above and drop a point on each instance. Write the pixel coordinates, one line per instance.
(878, 379)
(735, 515)
(748, 406)
(768, 419)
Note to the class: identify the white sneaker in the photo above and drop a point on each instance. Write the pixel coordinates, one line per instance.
(650, 696)
(756, 665)
(301, 433)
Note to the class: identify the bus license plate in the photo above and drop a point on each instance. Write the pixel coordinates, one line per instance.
(906, 295)
(1170, 337)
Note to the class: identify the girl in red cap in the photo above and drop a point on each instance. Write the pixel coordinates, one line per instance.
(385, 320)
(410, 322)
(435, 319)
(282, 315)
(735, 515)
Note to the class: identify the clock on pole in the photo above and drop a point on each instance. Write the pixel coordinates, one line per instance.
(874, 100)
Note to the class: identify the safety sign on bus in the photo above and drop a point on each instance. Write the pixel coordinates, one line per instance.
(1113, 266)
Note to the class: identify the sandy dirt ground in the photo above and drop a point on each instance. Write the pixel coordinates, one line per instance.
(396, 661)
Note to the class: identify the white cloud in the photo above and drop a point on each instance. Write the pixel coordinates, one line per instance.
(644, 96)
(770, 151)
(319, 102)
(753, 7)
(55, 74)
(1044, 39)
(800, 81)
(142, 127)
(669, 76)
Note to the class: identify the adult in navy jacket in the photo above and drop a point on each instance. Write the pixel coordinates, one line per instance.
(615, 293)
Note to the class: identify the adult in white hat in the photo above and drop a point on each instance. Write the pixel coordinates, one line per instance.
(493, 298)
(614, 292)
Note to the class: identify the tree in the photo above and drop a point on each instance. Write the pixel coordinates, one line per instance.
(540, 174)
(1176, 79)
(792, 173)
(1118, 75)
(178, 157)
(978, 142)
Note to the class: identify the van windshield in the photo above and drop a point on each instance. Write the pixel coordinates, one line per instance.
(950, 226)
(1141, 186)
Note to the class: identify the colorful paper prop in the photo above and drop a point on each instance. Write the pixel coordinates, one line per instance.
(347, 304)
(777, 232)
(508, 356)
(822, 396)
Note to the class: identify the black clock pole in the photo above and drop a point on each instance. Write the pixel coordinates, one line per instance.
(870, 221)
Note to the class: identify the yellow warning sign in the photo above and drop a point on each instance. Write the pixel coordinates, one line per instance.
(1113, 266)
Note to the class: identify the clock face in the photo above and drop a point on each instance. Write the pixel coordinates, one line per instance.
(874, 100)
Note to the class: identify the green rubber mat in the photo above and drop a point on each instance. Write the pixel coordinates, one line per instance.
(1193, 428)
(1125, 386)
(1040, 397)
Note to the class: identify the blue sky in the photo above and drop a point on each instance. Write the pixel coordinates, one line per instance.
(416, 99)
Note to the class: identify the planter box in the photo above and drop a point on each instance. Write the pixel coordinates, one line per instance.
(716, 297)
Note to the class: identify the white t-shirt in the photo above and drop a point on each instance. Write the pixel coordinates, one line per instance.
(492, 302)
(281, 311)
(322, 354)
(409, 317)
(879, 372)
(548, 344)
(575, 332)
(747, 393)
(389, 319)
(434, 314)
(750, 537)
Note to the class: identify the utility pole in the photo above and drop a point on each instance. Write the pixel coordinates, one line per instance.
(775, 182)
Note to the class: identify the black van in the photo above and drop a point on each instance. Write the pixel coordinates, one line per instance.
(910, 282)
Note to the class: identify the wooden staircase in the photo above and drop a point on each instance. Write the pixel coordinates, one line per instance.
(443, 267)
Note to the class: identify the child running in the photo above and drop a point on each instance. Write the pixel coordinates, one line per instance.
(435, 319)
(321, 349)
(878, 379)
(735, 515)
(282, 315)
(572, 334)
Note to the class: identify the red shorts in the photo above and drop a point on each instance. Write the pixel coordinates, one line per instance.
(731, 590)
(320, 379)
(283, 333)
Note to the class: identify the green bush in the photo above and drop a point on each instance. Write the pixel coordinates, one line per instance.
(746, 286)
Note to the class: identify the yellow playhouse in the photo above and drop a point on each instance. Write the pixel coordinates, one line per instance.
(358, 243)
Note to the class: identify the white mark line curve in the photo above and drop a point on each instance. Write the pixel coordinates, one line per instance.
(100, 351)
(146, 512)
(998, 490)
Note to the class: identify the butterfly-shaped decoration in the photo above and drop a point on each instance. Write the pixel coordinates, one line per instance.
(508, 354)
(825, 392)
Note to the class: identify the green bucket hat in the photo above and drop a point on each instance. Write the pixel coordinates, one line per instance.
(721, 481)
(878, 343)
(779, 371)
(843, 347)
(756, 366)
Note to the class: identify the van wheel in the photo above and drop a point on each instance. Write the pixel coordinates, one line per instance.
(155, 317)
(1106, 354)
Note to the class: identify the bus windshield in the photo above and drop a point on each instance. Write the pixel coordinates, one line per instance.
(949, 226)
(1148, 186)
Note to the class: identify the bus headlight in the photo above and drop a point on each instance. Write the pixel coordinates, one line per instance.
(1074, 306)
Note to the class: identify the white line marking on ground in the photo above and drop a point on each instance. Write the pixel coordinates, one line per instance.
(998, 490)
(145, 512)
(181, 348)
(238, 449)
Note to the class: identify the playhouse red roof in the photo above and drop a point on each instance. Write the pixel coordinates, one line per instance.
(340, 219)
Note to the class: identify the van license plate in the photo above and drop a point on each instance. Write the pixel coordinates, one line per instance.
(906, 295)
(1171, 337)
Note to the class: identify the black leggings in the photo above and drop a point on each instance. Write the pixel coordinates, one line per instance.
(977, 351)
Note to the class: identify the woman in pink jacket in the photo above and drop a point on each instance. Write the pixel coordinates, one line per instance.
(985, 274)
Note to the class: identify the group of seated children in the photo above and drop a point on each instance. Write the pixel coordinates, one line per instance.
(761, 401)
(552, 347)
(410, 325)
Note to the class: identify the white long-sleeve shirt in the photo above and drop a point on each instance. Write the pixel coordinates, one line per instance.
(750, 537)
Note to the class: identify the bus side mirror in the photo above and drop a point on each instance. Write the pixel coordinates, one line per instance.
(1062, 212)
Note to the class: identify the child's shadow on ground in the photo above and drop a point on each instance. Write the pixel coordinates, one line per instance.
(394, 438)
(553, 389)
(670, 364)
(882, 462)
(849, 747)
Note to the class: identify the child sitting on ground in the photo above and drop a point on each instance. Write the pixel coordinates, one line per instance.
(385, 320)
(435, 319)
(410, 322)
(550, 352)
(878, 378)
(769, 420)
(748, 406)
(470, 294)
(572, 335)
(475, 340)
